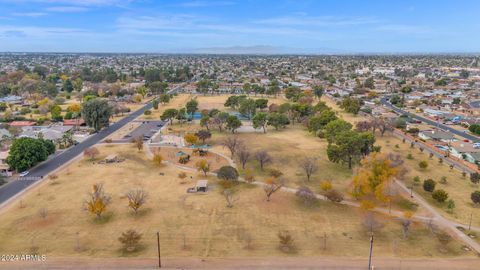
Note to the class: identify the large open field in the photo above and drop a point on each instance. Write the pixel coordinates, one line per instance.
(191, 224)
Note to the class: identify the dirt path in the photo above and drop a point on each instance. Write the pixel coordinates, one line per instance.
(249, 263)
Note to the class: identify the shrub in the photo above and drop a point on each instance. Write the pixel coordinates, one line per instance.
(306, 195)
(423, 164)
(227, 173)
(450, 205)
(334, 196)
(157, 159)
(275, 173)
(475, 196)
(440, 195)
(475, 178)
(443, 180)
(429, 185)
(130, 240)
(147, 112)
(416, 180)
(409, 156)
(326, 185)
(286, 242)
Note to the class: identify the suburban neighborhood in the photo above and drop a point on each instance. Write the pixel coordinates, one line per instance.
(239, 135)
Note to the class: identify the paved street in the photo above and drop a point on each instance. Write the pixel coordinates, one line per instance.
(385, 102)
(14, 187)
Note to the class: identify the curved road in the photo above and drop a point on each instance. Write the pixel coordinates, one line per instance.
(14, 187)
(470, 137)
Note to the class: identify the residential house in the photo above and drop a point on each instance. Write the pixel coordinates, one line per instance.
(437, 135)
(462, 149)
(4, 167)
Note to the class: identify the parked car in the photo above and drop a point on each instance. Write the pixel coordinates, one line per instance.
(441, 147)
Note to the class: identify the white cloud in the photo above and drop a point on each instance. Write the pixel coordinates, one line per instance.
(199, 3)
(29, 14)
(404, 29)
(303, 20)
(74, 3)
(38, 32)
(66, 9)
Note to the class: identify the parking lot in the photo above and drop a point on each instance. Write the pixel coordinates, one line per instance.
(145, 130)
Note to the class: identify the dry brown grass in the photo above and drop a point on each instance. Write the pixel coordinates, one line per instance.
(209, 228)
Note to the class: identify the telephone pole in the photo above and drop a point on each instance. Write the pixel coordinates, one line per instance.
(158, 247)
(470, 223)
(370, 256)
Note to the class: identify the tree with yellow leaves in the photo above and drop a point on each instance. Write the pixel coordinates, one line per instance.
(74, 108)
(374, 176)
(190, 138)
(157, 159)
(326, 185)
(203, 166)
(136, 198)
(97, 201)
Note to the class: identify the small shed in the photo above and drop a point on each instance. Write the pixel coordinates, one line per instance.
(202, 185)
(111, 158)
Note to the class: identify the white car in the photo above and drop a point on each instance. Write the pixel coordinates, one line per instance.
(25, 173)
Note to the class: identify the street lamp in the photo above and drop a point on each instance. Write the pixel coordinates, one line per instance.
(411, 191)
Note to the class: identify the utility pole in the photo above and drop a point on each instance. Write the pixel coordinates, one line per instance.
(324, 241)
(158, 247)
(470, 223)
(370, 256)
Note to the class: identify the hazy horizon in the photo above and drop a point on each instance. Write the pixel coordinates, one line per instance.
(311, 27)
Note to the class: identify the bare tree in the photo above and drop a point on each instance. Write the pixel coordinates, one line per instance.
(243, 156)
(263, 158)
(306, 195)
(91, 152)
(406, 227)
(233, 143)
(228, 194)
(370, 223)
(136, 198)
(43, 212)
(270, 187)
(384, 126)
(389, 192)
(286, 241)
(310, 166)
(363, 126)
(138, 142)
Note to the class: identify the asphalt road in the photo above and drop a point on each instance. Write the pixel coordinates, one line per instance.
(462, 134)
(9, 190)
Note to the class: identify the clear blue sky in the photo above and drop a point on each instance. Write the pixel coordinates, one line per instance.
(159, 26)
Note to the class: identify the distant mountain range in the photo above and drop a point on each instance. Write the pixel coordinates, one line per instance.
(261, 49)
